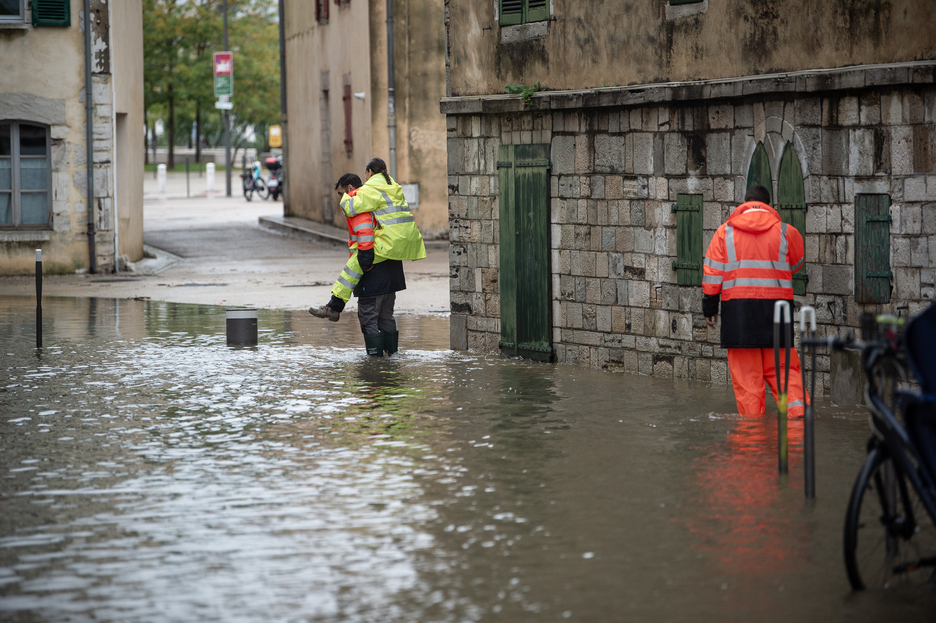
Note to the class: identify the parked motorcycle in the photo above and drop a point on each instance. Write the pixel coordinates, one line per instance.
(275, 183)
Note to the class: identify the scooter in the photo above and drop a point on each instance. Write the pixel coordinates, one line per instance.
(275, 183)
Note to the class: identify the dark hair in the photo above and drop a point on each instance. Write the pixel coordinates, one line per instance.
(376, 166)
(757, 193)
(349, 179)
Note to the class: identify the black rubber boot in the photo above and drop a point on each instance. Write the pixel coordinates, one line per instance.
(374, 343)
(391, 340)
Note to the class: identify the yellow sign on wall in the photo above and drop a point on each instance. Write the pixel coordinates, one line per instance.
(276, 136)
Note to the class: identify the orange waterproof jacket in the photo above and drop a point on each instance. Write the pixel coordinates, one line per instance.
(361, 236)
(748, 266)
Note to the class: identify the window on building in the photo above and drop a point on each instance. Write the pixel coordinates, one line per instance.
(12, 11)
(872, 249)
(689, 252)
(321, 10)
(514, 12)
(675, 2)
(348, 137)
(25, 175)
(791, 203)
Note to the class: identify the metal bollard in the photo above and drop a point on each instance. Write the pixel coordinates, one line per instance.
(241, 326)
(209, 177)
(188, 192)
(782, 318)
(809, 445)
(161, 177)
(38, 298)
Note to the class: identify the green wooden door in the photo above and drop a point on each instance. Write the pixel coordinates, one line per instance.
(759, 171)
(526, 326)
(689, 252)
(791, 204)
(872, 249)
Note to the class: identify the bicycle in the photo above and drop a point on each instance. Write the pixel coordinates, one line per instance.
(253, 182)
(890, 523)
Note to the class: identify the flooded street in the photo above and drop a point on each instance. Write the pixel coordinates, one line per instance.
(148, 472)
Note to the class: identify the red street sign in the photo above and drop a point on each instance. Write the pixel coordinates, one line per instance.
(223, 74)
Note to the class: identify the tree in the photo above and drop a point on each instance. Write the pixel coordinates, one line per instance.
(180, 37)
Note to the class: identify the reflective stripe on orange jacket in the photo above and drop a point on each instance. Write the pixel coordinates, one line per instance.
(749, 265)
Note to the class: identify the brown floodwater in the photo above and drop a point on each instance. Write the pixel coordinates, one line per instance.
(148, 472)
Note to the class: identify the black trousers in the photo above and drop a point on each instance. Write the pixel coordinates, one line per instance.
(375, 313)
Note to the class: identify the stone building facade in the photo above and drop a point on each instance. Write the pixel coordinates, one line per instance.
(845, 152)
(43, 142)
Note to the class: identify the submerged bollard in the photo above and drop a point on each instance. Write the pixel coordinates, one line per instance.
(242, 326)
(809, 445)
(782, 318)
(38, 298)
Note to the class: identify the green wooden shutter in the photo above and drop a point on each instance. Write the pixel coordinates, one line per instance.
(689, 253)
(526, 326)
(51, 13)
(537, 11)
(872, 249)
(791, 204)
(508, 245)
(511, 12)
(759, 171)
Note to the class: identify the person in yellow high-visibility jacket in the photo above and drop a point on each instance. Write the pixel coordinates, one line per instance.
(382, 233)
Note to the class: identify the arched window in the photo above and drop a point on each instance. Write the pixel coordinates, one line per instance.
(791, 203)
(25, 175)
(759, 171)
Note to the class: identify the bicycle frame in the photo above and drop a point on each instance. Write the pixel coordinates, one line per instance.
(891, 436)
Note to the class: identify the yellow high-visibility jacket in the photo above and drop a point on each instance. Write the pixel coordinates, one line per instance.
(396, 236)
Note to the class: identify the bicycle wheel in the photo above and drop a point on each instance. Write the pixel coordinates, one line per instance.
(890, 539)
(248, 189)
(262, 189)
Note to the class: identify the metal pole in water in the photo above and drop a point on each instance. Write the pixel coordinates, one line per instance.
(38, 298)
(782, 319)
(809, 446)
(241, 326)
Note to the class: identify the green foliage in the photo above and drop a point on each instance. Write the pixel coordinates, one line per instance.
(525, 91)
(179, 39)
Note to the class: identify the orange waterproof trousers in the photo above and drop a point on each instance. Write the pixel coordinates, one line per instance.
(750, 367)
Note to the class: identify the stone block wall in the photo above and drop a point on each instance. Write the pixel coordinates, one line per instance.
(616, 171)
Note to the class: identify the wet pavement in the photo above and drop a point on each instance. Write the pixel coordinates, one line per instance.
(148, 472)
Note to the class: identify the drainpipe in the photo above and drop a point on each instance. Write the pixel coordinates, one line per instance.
(391, 117)
(283, 120)
(89, 113)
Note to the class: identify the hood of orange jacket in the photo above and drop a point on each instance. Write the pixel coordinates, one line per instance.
(754, 216)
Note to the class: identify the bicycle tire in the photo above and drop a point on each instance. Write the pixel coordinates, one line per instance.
(887, 529)
(262, 189)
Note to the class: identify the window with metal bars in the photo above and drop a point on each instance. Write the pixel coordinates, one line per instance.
(513, 12)
(51, 13)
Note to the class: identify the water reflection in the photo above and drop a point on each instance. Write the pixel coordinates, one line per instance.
(150, 473)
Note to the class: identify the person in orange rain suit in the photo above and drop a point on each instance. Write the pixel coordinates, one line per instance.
(749, 266)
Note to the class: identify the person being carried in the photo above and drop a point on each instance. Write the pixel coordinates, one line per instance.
(382, 233)
(749, 266)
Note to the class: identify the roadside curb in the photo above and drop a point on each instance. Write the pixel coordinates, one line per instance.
(295, 226)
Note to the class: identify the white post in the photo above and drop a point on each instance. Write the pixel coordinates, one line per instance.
(161, 177)
(209, 177)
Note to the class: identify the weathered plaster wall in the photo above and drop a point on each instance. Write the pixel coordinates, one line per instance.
(616, 169)
(127, 62)
(354, 41)
(590, 45)
(319, 56)
(43, 81)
